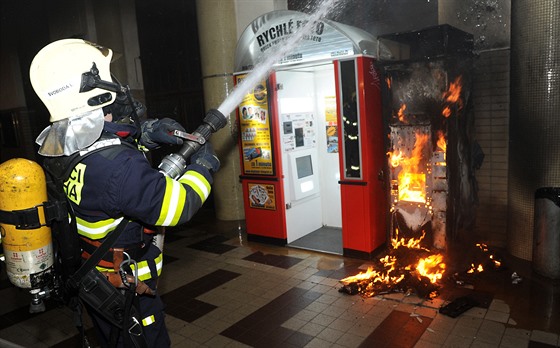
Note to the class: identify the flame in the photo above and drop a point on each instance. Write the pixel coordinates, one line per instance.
(441, 142)
(411, 179)
(419, 144)
(453, 96)
(497, 263)
(411, 243)
(412, 187)
(392, 271)
(446, 112)
(401, 113)
(388, 81)
(477, 269)
(395, 158)
(431, 267)
(376, 277)
(482, 246)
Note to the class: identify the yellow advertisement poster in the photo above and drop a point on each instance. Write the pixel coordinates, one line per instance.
(254, 125)
(331, 126)
(330, 110)
(262, 196)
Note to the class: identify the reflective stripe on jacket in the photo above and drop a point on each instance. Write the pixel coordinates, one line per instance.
(109, 186)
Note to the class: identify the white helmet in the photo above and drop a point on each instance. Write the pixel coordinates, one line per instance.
(66, 75)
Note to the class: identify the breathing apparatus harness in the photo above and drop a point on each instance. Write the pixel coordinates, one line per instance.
(74, 282)
(112, 294)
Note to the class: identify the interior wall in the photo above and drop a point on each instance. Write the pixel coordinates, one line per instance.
(296, 94)
(491, 83)
(131, 45)
(489, 20)
(12, 95)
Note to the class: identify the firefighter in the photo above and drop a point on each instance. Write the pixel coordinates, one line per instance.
(72, 78)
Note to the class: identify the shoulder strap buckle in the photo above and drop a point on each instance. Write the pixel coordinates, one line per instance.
(30, 219)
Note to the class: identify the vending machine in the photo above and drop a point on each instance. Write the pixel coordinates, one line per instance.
(311, 138)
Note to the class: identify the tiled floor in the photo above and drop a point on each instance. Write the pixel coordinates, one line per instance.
(222, 291)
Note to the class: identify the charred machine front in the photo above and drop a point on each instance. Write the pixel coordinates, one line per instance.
(430, 151)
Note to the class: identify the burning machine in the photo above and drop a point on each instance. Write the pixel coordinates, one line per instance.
(431, 153)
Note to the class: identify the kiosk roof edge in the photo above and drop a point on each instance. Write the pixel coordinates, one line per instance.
(327, 40)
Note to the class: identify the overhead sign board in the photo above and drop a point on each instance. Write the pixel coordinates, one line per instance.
(325, 40)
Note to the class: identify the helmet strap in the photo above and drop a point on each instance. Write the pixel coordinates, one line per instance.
(91, 80)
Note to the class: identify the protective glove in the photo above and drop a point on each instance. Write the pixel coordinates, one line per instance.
(156, 132)
(206, 157)
(122, 109)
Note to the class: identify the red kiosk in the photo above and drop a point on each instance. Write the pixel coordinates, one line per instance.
(312, 141)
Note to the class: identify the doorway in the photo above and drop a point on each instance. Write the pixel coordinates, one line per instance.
(310, 161)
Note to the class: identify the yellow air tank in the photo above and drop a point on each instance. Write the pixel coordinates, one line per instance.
(28, 252)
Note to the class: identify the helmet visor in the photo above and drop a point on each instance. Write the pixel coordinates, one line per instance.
(71, 135)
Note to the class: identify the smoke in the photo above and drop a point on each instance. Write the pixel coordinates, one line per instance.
(487, 20)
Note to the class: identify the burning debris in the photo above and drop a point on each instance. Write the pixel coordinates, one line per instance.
(408, 267)
(411, 268)
(482, 259)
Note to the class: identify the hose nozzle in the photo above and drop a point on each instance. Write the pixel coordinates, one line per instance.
(174, 165)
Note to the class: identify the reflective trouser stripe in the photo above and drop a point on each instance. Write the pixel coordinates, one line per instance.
(144, 272)
(148, 320)
(159, 263)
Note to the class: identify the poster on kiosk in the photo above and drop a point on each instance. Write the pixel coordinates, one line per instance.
(311, 138)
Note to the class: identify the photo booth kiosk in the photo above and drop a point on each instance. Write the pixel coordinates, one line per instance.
(311, 138)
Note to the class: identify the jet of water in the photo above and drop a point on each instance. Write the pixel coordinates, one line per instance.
(262, 69)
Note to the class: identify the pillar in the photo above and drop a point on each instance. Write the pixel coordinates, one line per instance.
(218, 39)
(534, 150)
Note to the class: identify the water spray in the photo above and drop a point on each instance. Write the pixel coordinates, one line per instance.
(174, 165)
(263, 68)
